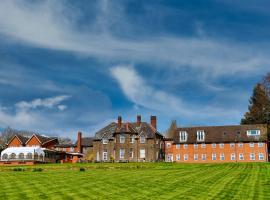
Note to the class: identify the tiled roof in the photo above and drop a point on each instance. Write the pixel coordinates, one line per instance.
(22, 138)
(86, 142)
(44, 139)
(144, 128)
(219, 134)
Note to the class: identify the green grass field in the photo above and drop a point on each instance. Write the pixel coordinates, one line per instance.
(137, 181)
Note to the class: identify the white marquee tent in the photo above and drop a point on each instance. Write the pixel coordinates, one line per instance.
(23, 153)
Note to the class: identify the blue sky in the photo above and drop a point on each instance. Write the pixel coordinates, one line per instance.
(76, 65)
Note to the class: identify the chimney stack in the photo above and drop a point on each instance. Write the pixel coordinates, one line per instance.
(79, 142)
(139, 120)
(154, 121)
(119, 121)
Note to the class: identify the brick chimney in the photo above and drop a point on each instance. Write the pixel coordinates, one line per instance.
(119, 121)
(79, 142)
(139, 120)
(154, 121)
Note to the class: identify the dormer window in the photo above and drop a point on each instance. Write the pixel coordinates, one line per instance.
(253, 132)
(142, 139)
(200, 136)
(183, 136)
(131, 139)
(105, 141)
(122, 138)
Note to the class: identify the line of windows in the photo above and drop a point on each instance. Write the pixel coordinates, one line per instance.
(122, 153)
(221, 157)
(214, 145)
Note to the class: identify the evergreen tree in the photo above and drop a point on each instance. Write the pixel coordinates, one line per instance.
(259, 108)
(171, 130)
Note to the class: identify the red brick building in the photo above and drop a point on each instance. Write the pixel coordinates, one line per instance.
(241, 143)
(129, 142)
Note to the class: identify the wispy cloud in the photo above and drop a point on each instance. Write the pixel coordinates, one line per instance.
(49, 24)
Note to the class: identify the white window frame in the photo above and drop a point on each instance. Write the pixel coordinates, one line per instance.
(142, 153)
(177, 146)
(122, 153)
(195, 146)
(196, 157)
(105, 155)
(183, 136)
(131, 150)
(261, 156)
(252, 156)
(260, 144)
(200, 135)
(203, 157)
(232, 145)
(251, 144)
(221, 145)
(177, 157)
(185, 157)
(168, 145)
(251, 132)
(214, 156)
(241, 156)
(214, 145)
(222, 156)
(122, 138)
(232, 156)
(203, 145)
(185, 146)
(131, 139)
(240, 144)
(142, 139)
(105, 141)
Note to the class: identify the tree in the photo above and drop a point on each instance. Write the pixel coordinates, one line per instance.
(259, 108)
(171, 130)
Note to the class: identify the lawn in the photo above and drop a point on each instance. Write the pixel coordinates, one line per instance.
(137, 181)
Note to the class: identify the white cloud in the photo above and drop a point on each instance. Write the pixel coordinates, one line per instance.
(50, 24)
(62, 107)
(47, 103)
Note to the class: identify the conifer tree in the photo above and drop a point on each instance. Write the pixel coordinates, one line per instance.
(171, 130)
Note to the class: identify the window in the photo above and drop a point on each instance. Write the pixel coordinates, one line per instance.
(252, 156)
(105, 141)
(183, 136)
(253, 132)
(21, 156)
(251, 144)
(29, 156)
(142, 153)
(168, 145)
(131, 139)
(241, 156)
(221, 156)
(142, 139)
(221, 145)
(105, 154)
(195, 146)
(71, 149)
(214, 156)
(185, 146)
(131, 153)
(240, 144)
(12, 156)
(214, 145)
(203, 145)
(185, 157)
(177, 157)
(200, 135)
(232, 145)
(4, 156)
(261, 156)
(233, 156)
(195, 156)
(260, 144)
(203, 156)
(122, 153)
(122, 138)
(177, 146)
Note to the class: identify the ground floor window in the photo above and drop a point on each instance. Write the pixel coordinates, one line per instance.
(214, 156)
(261, 156)
(241, 156)
(222, 157)
(185, 157)
(252, 156)
(122, 153)
(232, 156)
(131, 153)
(177, 157)
(105, 154)
(142, 153)
(203, 156)
(195, 156)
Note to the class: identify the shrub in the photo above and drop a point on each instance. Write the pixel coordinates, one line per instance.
(18, 169)
(37, 170)
(82, 169)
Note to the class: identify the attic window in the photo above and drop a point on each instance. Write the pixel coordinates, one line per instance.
(105, 141)
(253, 132)
(200, 135)
(183, 136)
